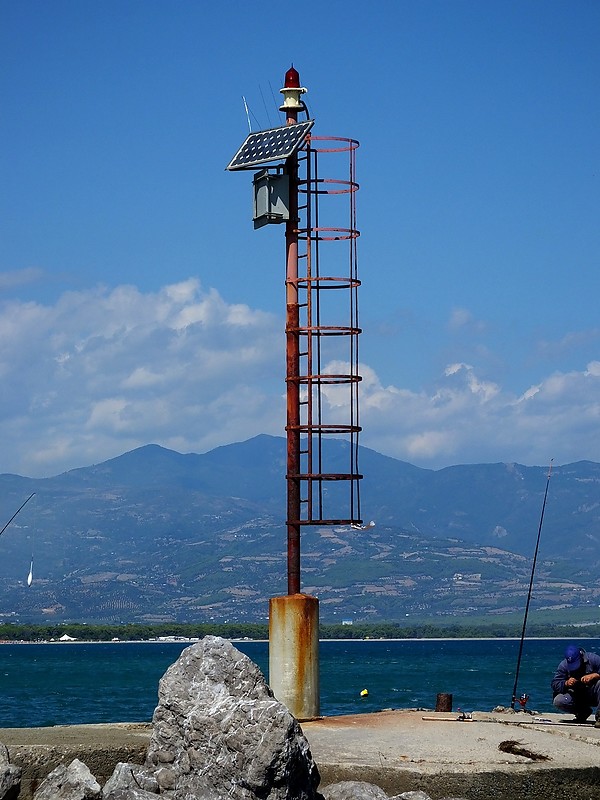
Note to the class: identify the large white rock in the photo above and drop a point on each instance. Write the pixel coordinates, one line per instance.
(218, 732)
(353, 790)
(72, 782)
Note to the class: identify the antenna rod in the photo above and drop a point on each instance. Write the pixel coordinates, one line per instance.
(514, 694)
(16, 512)
(247, 114)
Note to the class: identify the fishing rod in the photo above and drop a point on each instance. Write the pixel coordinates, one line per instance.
(524, 699)
(16, 512)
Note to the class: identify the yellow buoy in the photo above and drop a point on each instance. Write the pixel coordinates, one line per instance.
(364, 693)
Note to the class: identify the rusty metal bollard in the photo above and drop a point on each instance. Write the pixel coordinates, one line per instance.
(443, 702)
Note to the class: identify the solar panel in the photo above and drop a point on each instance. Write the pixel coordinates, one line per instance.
(275, 144)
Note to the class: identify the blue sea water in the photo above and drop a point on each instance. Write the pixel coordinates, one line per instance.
(66, 684)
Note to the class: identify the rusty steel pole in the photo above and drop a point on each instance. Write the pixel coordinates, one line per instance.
(292, 324)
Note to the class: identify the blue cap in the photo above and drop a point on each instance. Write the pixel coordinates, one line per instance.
(573, 656)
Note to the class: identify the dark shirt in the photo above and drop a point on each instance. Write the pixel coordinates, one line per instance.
(590, 663)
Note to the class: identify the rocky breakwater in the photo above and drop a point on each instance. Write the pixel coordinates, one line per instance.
(217, 732)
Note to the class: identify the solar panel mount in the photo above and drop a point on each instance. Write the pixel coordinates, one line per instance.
(275, 144)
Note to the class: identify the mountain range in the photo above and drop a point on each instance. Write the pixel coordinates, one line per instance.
(156, 535)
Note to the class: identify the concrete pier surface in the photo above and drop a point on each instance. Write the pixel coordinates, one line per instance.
(401, 751)
(397, 750)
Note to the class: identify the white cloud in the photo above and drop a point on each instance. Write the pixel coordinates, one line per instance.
(452, 369)
(143, 377)
(529, 393)
(109, 414)
(462, 318)
(464, 419)
(593, 369)
(429, 444)
(105, 370)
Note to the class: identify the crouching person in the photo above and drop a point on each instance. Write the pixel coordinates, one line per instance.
(576, 684)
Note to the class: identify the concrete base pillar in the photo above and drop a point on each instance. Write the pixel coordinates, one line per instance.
(294, 653)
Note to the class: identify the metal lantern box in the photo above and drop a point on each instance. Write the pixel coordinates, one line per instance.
(271, 198)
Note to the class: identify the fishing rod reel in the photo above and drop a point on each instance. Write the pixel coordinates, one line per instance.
(522, 701)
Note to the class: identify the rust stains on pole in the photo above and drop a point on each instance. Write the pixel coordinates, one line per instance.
(291, 106)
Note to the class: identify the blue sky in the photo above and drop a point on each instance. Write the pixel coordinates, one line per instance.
(137, 303)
